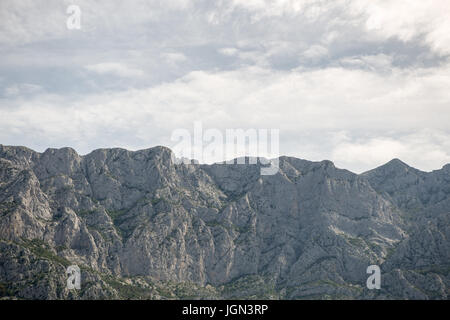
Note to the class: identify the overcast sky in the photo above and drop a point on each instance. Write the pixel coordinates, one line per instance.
(358, 82)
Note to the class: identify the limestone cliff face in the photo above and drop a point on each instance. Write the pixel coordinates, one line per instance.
(142, 226)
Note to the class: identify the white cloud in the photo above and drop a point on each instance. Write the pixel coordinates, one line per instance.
(384, 108)
(315, 52)
(28, 21)
(339, 78)
(425, 149)
(228, 51)
(270, 8)
(377, 62)
(408, 20)
(174, 58)
(22, 89)
(114, 68)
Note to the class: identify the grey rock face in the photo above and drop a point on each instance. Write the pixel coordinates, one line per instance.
(415, 191)
(142, 226)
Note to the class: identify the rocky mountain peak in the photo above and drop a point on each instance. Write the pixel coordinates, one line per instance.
(309, 230)
(394, 167)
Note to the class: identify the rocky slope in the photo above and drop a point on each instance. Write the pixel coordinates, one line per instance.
(140, 225)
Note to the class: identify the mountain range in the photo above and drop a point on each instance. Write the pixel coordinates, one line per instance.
(143, 226)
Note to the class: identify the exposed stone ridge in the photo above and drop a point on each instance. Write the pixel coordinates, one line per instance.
(141, 225)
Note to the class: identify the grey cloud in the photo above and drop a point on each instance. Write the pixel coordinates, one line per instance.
(337, 78)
